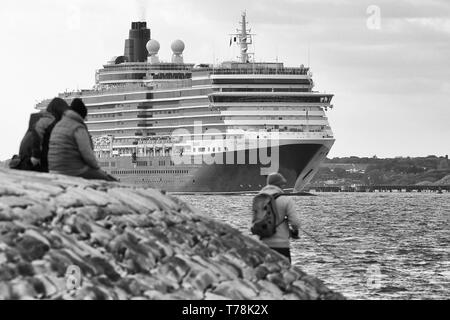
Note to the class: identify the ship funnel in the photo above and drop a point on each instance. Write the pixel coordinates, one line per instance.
(135, 46)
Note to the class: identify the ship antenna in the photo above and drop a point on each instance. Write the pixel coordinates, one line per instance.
(245, 39)
(309, 55)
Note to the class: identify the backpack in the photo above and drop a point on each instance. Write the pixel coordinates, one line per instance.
(265, 215)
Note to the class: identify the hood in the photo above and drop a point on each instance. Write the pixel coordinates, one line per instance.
(57, 107)
(271, 189)
(74, 116)
(35, 117)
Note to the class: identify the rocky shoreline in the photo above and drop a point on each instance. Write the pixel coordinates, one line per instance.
(68, 238)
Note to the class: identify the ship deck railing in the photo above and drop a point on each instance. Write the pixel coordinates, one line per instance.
(120, 88)
(268, 71)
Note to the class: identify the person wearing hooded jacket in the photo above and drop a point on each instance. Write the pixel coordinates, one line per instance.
(71, 149)
(33, 152)
(286, 210)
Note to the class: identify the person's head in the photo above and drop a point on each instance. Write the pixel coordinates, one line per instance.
(79, 107)
(276, 179)
(57, 107)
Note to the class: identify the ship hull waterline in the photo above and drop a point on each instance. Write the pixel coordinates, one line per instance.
(297, 162)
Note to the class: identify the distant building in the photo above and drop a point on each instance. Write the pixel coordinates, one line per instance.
(348, 167)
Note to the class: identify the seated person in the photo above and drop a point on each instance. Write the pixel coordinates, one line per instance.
(34, 147)
(71, 150)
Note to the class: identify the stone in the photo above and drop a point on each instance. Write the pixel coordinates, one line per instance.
(58, 262)
(41, 266)
(316, 283)
(290, 296)
(98, 199)
(3, 258)
(155, 295)
(45, 188)
(117, 209)
(38, 236)
(270, 287)
(41, 212)
(228, 271)
(92, 212)
(6, 215)
(186, 294)
(164, 203)
(130, 243)
(236, 290)
(251, 258)
(102, 266)
(5, 292)
(216, 297)
(272, 267)
(299, 292)
(290, 276)
(25, 269)
(21, 289)
(228, 290)
(309, 290)
(220, 275)
(7, 273)
(265, 295)
(21, 202)
(173, 271)
(38, 287)
(199, 277)
(136, 202)
(81, 225)
(261, 272)
(32, 248)
(70, 198)
(278, 280)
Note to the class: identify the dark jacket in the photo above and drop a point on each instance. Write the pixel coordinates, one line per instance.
(285, 207)
(36, 140)
(32, 143)
(70, 151)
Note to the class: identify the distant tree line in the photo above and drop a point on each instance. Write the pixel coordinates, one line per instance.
(401, 171)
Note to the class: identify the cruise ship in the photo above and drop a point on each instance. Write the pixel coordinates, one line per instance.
(207, 128)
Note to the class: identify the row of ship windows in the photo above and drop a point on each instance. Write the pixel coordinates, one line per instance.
(247, 99)
(214, 120)
(139, 163)
(121, 172)
(262, 89)
(143, 114)
(253, 127)
(222, 99)
(149, 96)
(202, 149)
(146, 106)
(151, 112)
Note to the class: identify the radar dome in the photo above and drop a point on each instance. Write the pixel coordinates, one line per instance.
(178, 47)
(153, 47)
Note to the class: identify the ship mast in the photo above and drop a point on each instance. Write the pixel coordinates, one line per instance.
(245, 39)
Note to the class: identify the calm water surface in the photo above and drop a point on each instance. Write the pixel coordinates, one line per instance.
(364, 245)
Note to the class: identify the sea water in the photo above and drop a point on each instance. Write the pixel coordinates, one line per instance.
(364, 245)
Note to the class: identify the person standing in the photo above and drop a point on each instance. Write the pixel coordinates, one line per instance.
(285, 210)
(71, 150)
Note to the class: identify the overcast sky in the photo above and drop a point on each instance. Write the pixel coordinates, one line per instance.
(390, 76)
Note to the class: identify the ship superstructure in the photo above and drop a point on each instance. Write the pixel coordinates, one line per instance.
(205, 128)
